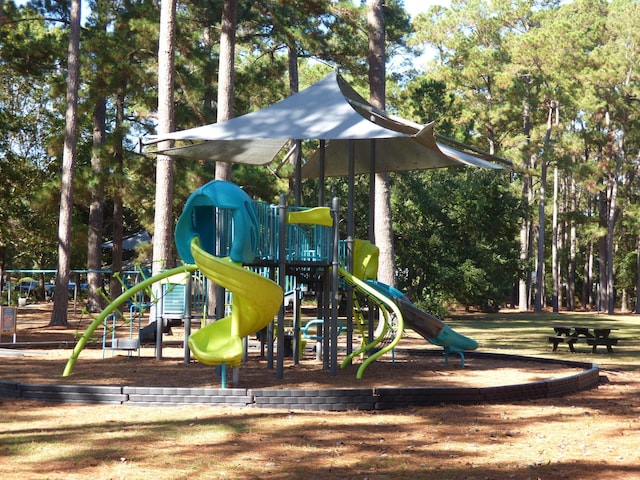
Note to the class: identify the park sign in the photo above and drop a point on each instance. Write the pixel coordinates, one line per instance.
(8, 322)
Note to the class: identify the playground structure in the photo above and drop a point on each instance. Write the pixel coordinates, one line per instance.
(294, 246)
(228, 237)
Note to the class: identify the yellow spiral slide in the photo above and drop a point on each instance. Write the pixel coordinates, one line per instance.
(255, 301)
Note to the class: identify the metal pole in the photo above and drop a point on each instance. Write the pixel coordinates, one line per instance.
(296, 322)
(351, 233)
(75, 294)
(372, 191)
(327, 301)
(282, 271)
(321, 168)
(298, 173)
(334, 290)
(159, 324)
(323, 328)
(269, 339)
(372, 224)
(187, 321)
(221, 235)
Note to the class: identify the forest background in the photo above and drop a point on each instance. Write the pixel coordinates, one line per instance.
(552, 86)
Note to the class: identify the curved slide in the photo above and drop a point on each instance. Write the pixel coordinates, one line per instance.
(387, 306)
(431, 328)
(255, 301)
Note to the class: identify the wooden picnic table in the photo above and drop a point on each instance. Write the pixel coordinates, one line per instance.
(594, 336)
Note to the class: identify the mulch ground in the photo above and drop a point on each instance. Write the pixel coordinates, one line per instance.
(46, 350)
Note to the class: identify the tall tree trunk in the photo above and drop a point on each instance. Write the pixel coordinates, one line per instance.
(624, 301)
(562, 241)
(383, 226)
(603, 293)
(610, 246)
(524, 281)
(541, 226)
(208, 117)
(294, 77)
(540, 276)
(96, 212)
(587, 274)
(163, 219)
(208, 75)
(524, 284)
(224, 111)
(296, 153)
(612, 215)
(115, 287)
(555, 271)
(61, 299)
(573, 248)
(226, 74)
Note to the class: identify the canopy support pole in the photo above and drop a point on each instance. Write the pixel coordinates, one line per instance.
(282, 272)
(372, 191)
(298, 173)
(351, 233)
(321, 168)
(334, 289)
(373, 311)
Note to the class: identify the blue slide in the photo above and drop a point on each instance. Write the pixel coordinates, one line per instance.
(431, 328)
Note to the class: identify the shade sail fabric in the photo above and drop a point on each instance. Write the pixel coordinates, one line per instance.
(249, 152)
(328, 110)
(391, 155)
(320, 111)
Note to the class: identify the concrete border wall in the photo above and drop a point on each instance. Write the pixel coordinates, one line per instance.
(315, 399)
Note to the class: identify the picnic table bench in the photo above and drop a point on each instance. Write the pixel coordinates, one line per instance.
(594, 336)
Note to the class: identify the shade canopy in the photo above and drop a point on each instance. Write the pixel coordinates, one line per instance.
(328, 110)
(400, 154)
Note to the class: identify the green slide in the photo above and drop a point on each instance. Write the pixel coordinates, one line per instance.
(431, 328)
(393, 323)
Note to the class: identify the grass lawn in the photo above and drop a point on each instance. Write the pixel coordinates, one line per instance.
(526, 334)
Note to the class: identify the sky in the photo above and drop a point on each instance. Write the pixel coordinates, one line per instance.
(418, 6)
(412, 6)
